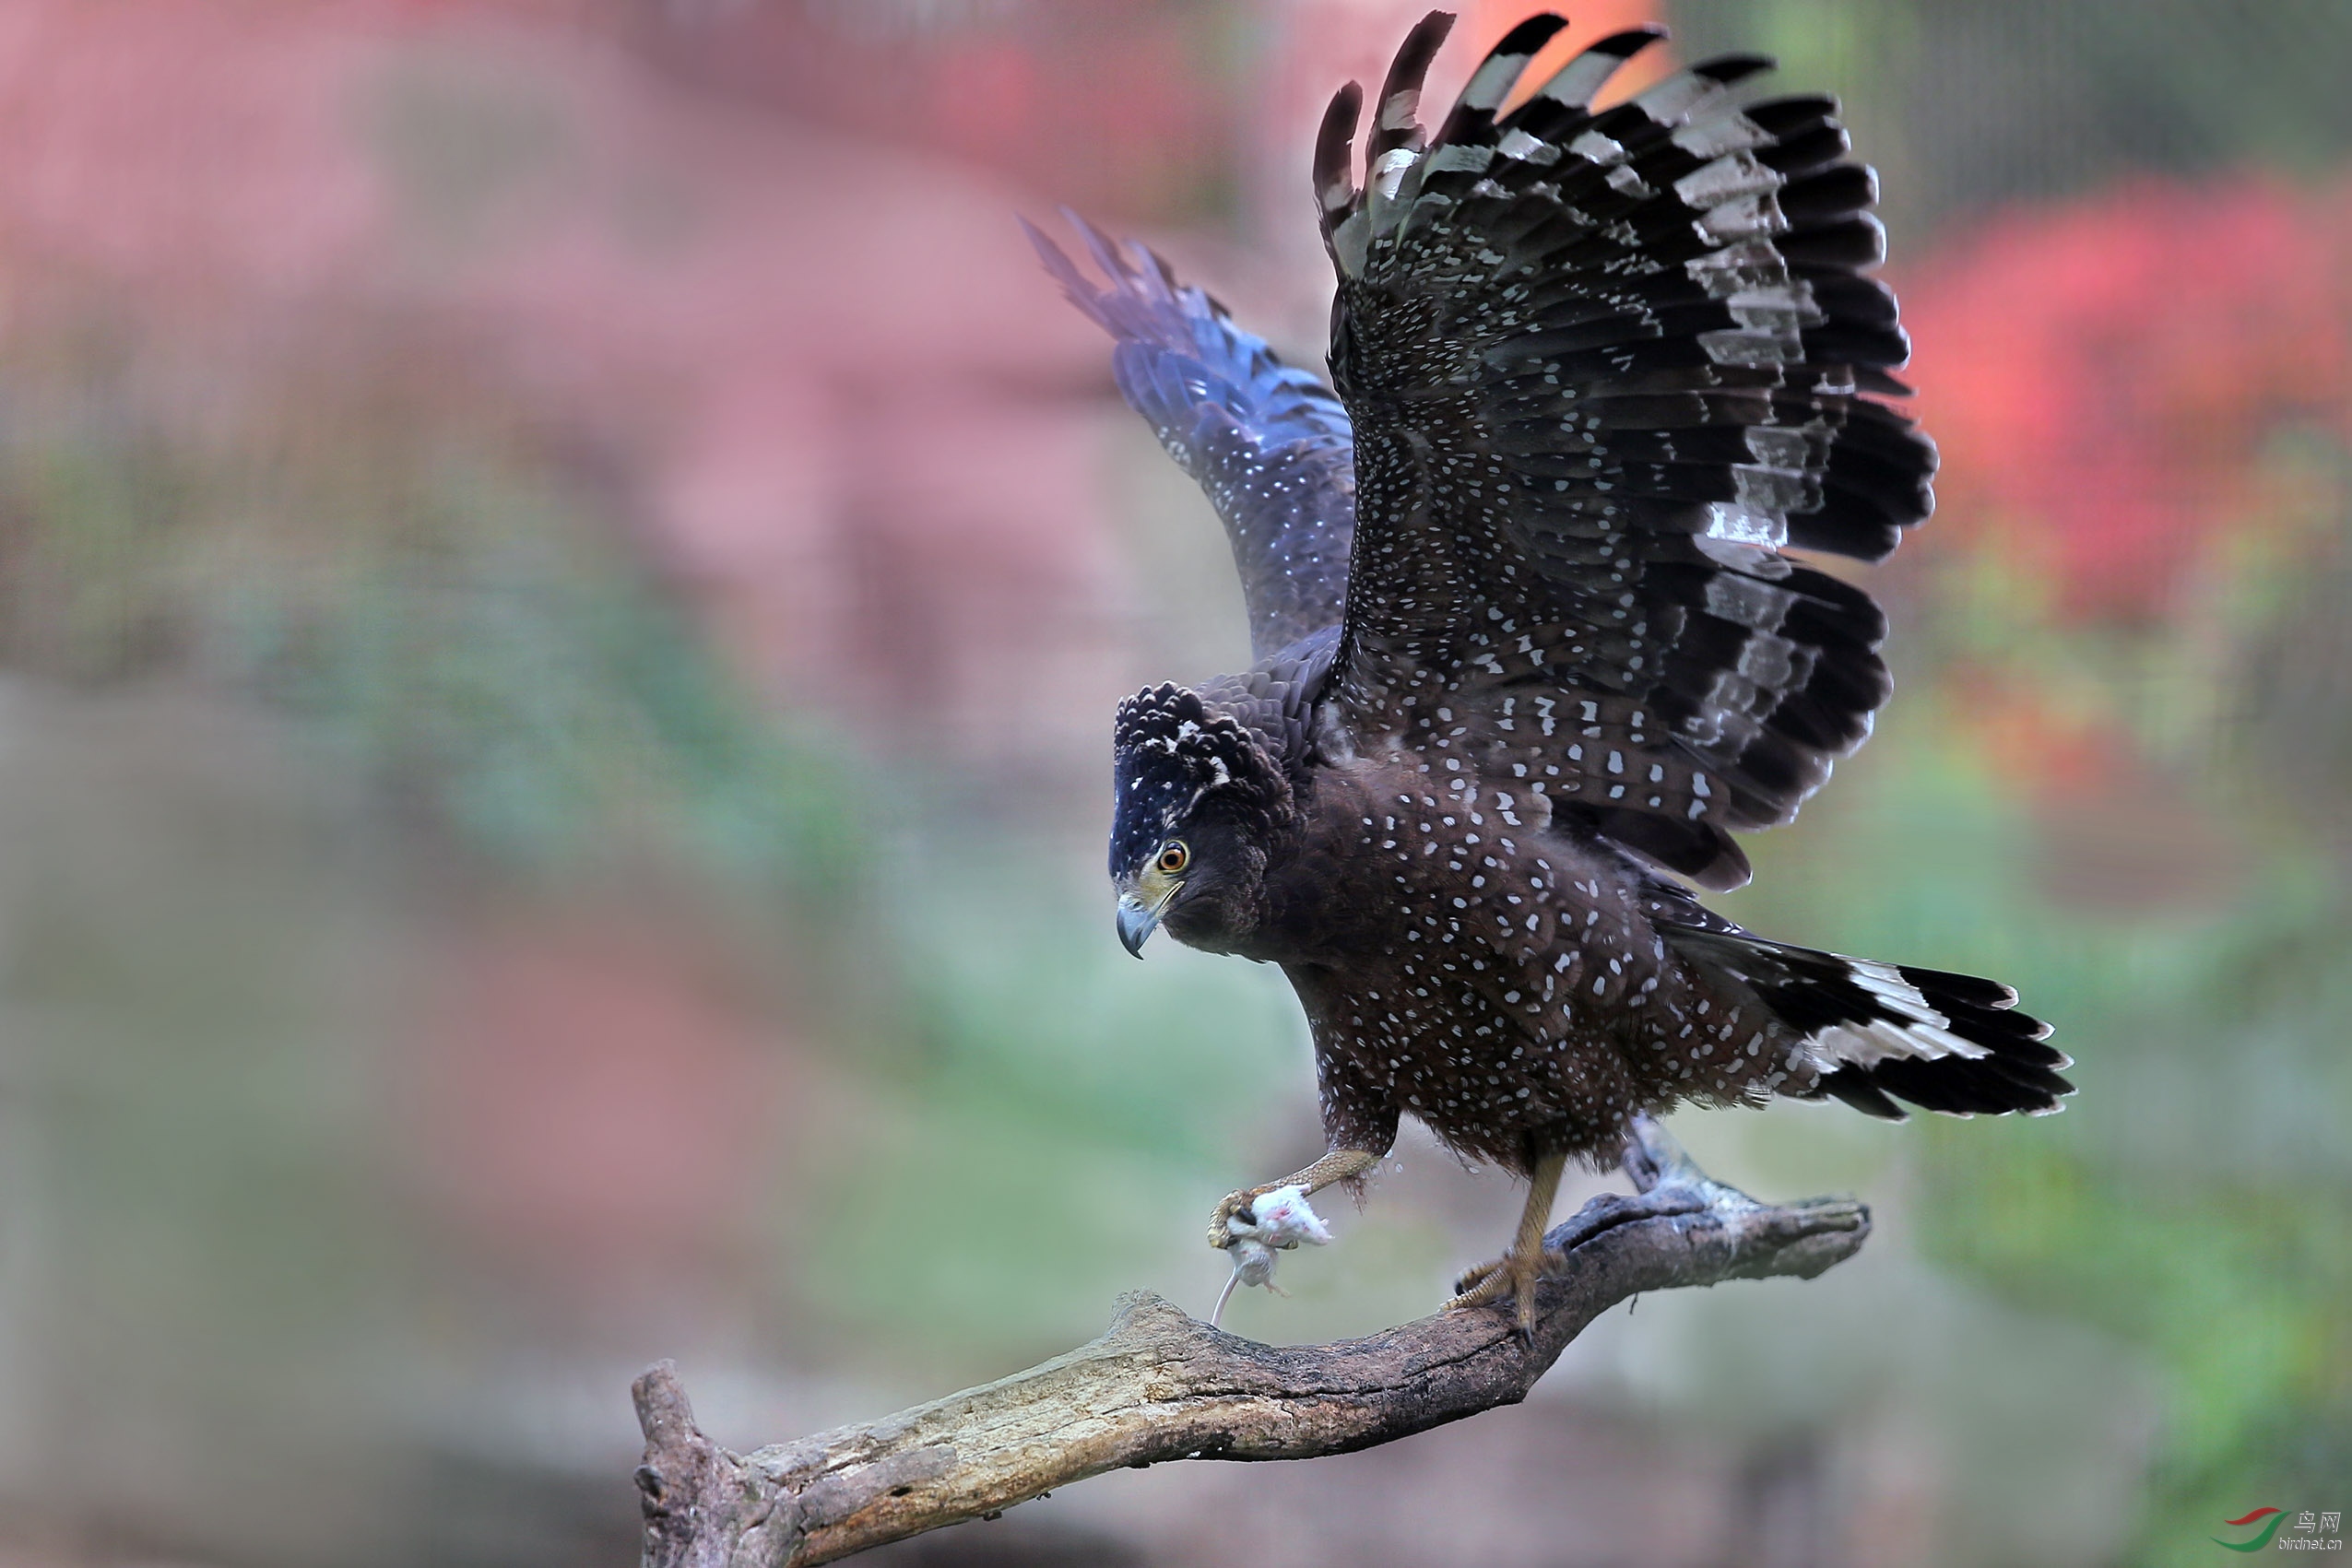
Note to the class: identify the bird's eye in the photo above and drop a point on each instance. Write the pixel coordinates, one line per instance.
(1173, 857)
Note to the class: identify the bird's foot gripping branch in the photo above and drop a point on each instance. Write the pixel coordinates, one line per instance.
(1160, 1385)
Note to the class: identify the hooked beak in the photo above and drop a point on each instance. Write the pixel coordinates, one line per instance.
(1137, 920)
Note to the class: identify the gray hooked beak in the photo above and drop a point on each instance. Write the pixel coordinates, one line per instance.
(1137, 921)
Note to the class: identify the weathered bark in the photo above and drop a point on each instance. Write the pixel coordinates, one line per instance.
(1163, 1385)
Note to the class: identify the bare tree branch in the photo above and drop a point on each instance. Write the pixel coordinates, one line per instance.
(1161, 1386)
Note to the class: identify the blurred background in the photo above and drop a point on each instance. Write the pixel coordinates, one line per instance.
(563, 579)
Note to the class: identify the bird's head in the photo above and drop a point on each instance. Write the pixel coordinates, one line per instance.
(1199, 806)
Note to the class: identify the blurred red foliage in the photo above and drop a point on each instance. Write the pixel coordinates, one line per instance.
(1120, 106)
(2102, 375)
(828, 381)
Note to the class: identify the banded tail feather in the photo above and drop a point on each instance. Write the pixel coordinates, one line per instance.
(1871, 1034)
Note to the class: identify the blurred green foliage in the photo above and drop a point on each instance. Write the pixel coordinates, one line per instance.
(445, 593)
(2195, 1198)
(1962, 104)
(1051, 1114)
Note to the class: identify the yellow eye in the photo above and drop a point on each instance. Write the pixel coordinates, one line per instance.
(1173, 857)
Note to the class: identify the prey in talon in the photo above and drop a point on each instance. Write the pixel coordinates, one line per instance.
(1257, 1231)
(1535, 633)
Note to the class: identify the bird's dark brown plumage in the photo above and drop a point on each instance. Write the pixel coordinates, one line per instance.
(1529, 641)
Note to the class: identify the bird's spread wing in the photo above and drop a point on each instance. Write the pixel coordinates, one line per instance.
(1268, 442)
(1603, 367)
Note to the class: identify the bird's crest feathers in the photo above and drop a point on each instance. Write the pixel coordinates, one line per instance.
(1173, 754)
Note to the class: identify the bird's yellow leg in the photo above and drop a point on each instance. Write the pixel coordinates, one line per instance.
(1515, 1273)
(1340, 1165)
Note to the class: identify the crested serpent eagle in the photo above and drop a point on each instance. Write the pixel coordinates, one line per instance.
(1532, 636)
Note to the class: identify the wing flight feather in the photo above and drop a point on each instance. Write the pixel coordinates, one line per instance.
(1270, 443)
(1604, 369)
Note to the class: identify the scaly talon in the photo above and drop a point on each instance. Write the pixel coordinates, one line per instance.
(1339, 1165)
(1514, 1276)
(1471, 1280)
(1234, 1204)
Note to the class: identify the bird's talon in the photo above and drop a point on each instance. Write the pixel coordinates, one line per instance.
(1236, 1206)
(1512, 1278)
(1476, 1287)
(1468, 1279)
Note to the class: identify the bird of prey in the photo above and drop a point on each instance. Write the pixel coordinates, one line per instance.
(1533, 629)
